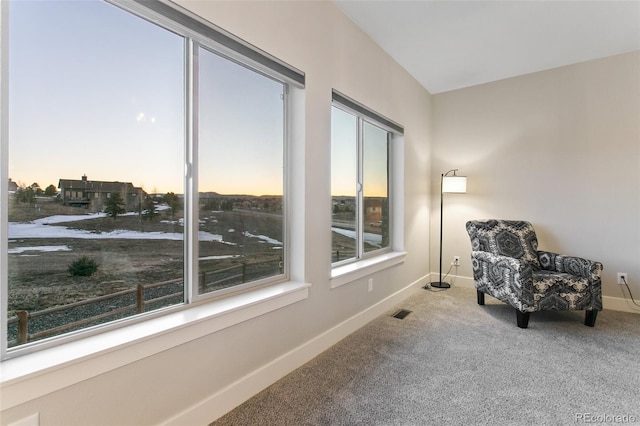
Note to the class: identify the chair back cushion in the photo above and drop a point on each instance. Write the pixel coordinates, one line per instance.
(511, 238)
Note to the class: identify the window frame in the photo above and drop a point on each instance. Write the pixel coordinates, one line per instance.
(361, 121)
(395, 135)
(196, 32)
(194, 142)
(354, 269)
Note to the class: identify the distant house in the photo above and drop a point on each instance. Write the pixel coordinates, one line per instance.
(92, 195)
(13, 186)
(373, 210)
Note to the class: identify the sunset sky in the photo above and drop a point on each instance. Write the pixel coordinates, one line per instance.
(95, 90)
(344, 157)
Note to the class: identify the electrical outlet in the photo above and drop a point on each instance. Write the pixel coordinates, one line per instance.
(370, 284)
(456, 261)
(622, 278)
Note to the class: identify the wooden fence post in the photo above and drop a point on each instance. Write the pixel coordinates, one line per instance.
(244, 272)
(23, 326)
(140, 299)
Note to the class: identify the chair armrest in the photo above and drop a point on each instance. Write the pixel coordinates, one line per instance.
(573, 265)
(585, 268)
(517, 273)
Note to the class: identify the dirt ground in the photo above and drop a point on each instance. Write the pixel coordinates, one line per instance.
(39, 280)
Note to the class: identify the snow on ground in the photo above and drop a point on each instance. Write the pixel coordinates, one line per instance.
(67, 218)
(40, 229)
(263, 238)
(180, 222)
(373, 239)
(225, 256)
(18, 250)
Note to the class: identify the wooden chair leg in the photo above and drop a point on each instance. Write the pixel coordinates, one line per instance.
(480, 297)
(590, 318)
(523, 318)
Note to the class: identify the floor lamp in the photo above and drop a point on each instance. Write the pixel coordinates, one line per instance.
(449, 183)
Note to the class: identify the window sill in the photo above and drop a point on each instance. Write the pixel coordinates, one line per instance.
(36, 374)
(345, 274)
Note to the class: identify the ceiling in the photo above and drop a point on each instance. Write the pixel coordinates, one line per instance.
(448, 45)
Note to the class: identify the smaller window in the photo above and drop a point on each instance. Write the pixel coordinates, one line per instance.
(361, 142)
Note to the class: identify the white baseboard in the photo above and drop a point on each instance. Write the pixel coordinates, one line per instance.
(458, 281)
(238, 392)
(609, 302)
(619, 304)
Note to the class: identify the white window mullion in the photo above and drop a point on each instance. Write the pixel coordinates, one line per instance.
(4, 176)
(360, 191)
(286, 184)
(391, 194)
(191, 171)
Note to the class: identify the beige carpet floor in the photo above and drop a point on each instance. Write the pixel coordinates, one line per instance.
(453, 362)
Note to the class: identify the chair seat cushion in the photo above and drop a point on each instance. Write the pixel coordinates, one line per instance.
(560, 291)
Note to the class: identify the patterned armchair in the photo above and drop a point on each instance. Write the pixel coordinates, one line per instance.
(508, 266)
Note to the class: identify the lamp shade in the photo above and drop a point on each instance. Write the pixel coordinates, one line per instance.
(454, 184)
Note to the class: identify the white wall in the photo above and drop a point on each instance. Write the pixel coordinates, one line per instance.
(198, 381)
(560, 148)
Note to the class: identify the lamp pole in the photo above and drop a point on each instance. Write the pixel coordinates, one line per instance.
(455, 184)
(441, 284)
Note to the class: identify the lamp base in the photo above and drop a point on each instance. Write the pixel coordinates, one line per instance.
(439, 284)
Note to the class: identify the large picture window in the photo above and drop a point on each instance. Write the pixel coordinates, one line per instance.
(360, 182)
(106, 109)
